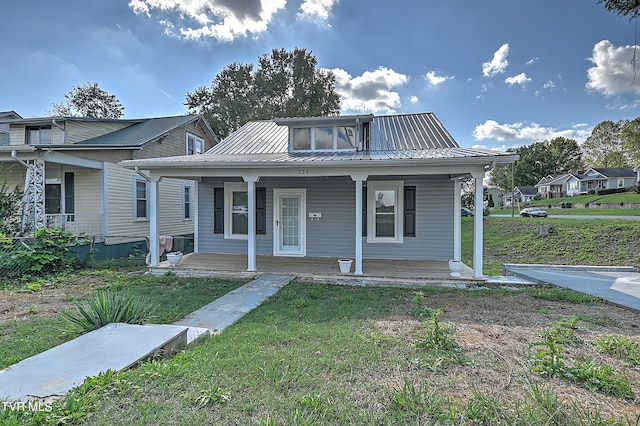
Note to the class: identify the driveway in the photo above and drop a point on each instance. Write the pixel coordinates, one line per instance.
(619, 285)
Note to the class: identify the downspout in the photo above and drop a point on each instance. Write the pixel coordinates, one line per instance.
(144, 176)
(64, 133)
(15, 157)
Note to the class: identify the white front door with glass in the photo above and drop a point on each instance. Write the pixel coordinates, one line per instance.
(289, 222)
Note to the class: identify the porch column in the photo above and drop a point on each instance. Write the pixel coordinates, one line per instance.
(359, 179)
(457, 221)
(477, 225)
(154, 248)
(251, 232)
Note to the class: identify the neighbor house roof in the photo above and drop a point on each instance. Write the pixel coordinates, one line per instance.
(615, 172)
(526, 190)
(405, 137)
(139, 134)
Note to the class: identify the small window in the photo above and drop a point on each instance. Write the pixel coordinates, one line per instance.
(620, 183)
(195, 144)
(236, 205)
(39, 135)
(324, 139)
(384, 211)
(141, 199)
(301, 139)
(346, 138)
(187, 194)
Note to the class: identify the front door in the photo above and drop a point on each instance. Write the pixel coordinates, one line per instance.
(289, 222)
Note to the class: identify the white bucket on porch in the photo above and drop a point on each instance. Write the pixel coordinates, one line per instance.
(174, 258)
(345, 265)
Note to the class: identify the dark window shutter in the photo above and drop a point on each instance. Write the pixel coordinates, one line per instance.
(218, 210)
(364, 211)
(409, 211)
(261, 211)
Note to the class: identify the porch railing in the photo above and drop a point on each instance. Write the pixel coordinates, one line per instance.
(89, 224)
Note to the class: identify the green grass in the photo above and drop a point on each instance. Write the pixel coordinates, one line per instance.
(323, 363)
(173, 297)
(570, 242)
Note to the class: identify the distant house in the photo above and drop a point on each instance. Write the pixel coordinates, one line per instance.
(68, 169)
(522, 194)
(496, 195)
(552, 186)
(363, 186)
(607, 178)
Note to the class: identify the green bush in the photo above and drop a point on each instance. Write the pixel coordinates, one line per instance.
(108, 307)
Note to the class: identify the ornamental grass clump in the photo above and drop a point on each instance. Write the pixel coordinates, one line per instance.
(110, 307)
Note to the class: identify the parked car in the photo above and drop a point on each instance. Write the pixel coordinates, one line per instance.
(533, 212)
(466, 212)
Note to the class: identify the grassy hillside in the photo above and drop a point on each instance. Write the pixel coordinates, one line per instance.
(570, 242)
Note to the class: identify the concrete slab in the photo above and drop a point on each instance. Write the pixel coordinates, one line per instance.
(620, 285)
(222, 312)
(58, 370)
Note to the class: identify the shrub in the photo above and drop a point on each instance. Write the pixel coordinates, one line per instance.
(108, 307)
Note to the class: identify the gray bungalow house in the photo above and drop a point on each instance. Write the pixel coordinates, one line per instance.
(359, 186)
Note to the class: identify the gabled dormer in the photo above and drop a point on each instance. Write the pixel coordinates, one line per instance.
(327, 134)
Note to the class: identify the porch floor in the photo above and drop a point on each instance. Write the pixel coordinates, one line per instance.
(321, 269)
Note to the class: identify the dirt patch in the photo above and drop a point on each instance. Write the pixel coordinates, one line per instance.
(496, 335)
(48, 301)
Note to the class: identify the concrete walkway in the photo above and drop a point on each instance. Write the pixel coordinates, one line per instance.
(619, 285)
(119, 346)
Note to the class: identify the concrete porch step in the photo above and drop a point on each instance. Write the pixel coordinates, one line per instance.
(113, 347)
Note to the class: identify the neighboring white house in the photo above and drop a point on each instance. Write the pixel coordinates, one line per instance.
(358, 186)
(607, 178)
(68, 169)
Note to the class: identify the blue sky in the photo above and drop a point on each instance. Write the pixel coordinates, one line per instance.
(498, 73)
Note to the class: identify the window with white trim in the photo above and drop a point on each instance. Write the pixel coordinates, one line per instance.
(385, 206)
(187, 201)
(620, 182)
(140, 198)
(38, 135)
(195, 144)
(236, 210)
(326, 138)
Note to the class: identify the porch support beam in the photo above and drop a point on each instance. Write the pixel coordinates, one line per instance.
(359, 179)
(154, 228)
(477, 225)
(251, 237)
(457, 221)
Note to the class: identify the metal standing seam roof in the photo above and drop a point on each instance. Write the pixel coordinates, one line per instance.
(388, 134)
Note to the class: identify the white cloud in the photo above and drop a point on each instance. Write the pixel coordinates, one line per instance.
(613, 70)
(498, 64)
(434, 79)
(317, 8)
(224, 20)
(371, 92)
(414, 100)
(533, 132)
(520, 79)
(549, 85)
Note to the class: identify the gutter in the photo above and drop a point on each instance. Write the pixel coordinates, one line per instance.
(144, 176)
(64, 132)
(15, 157)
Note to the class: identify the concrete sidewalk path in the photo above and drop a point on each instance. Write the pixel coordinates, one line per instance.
(222, 312)
(119, 346)
(619, 285)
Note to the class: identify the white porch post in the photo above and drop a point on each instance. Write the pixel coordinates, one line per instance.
(477, 225)
(154, 248)
(251, 240)
(196, 217)
(359, 179)
(457, 221)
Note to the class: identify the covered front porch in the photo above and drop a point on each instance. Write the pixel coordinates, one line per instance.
(320, 269)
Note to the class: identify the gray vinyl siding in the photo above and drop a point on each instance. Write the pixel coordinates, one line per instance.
(334, 234)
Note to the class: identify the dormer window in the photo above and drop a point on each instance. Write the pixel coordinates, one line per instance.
(327, 134)
(335, 138)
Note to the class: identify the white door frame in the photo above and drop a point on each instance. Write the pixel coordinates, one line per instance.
(302, 223)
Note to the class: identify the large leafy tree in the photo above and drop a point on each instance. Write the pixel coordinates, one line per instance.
(630, 135)
(540, 159)
(629, 8)
(284, 84)
(88, 100)
(605, 146)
